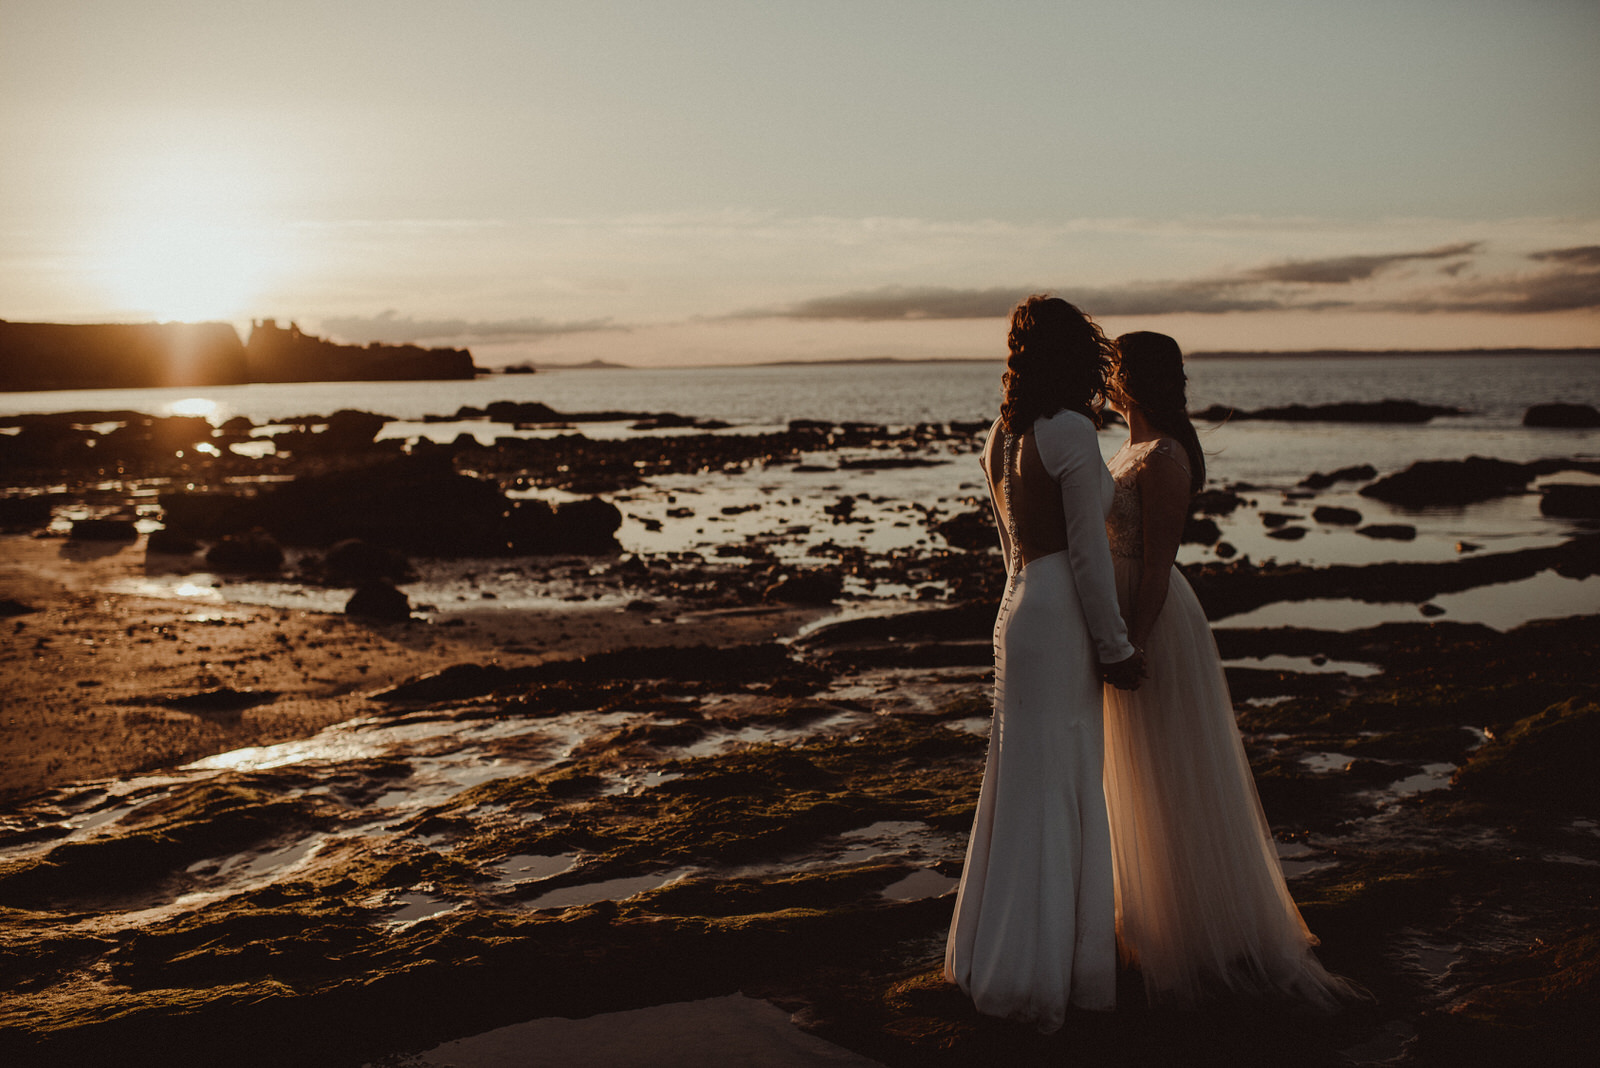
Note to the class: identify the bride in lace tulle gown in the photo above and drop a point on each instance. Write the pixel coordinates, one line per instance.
(1033, 930)
(1202, 908)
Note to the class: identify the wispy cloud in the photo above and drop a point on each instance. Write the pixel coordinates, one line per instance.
(1363, 282)
(1581, 256)
(391, 328)
(1341, 269)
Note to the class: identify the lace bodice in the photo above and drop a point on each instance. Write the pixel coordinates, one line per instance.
(1125, 525)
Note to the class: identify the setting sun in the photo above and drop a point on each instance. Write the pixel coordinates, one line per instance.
(186, 239)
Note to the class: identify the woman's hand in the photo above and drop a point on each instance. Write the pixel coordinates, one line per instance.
(1125, 674)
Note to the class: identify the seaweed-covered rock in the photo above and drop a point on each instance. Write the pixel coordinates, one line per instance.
(1429, 482)
(1564, 416)
(1547, 760)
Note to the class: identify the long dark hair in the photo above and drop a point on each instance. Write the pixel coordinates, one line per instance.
(1150, 372)
(1059, 359)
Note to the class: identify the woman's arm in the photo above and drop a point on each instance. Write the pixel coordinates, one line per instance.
(1071, 455)
(1164, 505)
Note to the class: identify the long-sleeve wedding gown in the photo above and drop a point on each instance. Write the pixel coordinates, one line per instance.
(1034, 923)
(1201, 903)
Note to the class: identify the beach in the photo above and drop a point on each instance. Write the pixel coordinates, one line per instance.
(683, 700)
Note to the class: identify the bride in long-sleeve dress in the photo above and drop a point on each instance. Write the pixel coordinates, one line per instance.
(1202, 907)
(1033, 930)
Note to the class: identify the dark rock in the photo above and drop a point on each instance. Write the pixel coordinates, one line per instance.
(1546, 760)
(353, 561)
(25, 513)
(1200, 530)
(171, 543)
(1389, 531)
(1226, 550)
(813, 586)
(254, 550)
(1276, 519)
(1215, 502)
(206, 515)
(9, 608)
(223, 699)
(973, 531)
(1430, 610)
(1287, 533)
(1565, 416)
(378, 600)
(1571, 502)
(454, 683)
(104, 530)
(586, 527)
(1357, 473)
(1347, 517)
(1429, 482)
(1385, 411)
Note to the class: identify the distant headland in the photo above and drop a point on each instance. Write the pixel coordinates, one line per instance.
(41, 356)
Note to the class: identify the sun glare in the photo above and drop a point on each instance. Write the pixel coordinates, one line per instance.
(202, 406)
(187, 240)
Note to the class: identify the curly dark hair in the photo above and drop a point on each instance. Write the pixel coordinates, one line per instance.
(1059, 359)
(1150, 373)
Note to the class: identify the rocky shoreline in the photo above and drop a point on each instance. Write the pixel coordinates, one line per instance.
(271, 835)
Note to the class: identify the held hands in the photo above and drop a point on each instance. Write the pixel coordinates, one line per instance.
(1125, 674)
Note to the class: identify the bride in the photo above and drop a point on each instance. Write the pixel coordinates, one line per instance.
(1201, 904)
(1033, 930)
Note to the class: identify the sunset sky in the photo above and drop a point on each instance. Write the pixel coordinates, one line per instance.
(700, 182)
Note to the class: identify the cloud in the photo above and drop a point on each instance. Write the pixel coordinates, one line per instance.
(1341, 269)
(934, 302)
(1572, 282)
(1580, 256)
(392, 329)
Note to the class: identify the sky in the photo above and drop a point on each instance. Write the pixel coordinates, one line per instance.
(713, 182)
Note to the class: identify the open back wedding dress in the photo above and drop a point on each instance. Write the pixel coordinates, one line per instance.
(1201, 903)
(1034, 924)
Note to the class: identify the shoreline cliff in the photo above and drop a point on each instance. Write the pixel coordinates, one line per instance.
(51, 356)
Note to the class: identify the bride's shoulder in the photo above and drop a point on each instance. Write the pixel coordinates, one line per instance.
(1171, 450)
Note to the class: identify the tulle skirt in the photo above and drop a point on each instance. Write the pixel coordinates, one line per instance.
(1033, 930)
(1201, 903)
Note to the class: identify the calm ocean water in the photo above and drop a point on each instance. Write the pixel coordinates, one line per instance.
(1496, 390)
(1270, 457)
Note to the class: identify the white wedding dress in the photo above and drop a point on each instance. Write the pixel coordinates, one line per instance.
(1034, 919)
(1202, 907)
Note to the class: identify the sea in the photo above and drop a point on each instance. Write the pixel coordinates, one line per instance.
(1269, 458)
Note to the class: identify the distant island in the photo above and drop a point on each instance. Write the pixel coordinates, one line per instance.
(41, 356)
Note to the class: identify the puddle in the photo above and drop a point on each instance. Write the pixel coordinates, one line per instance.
(607, 890)
(1502, 606)
(1431, 777)
(1321, 763)
(925, 882)
(530, 867)
(419, 906)
(1433, 959)
(1306, 665)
